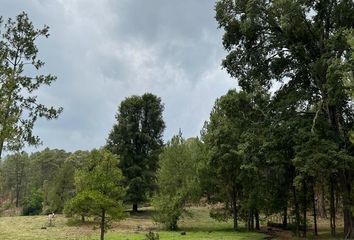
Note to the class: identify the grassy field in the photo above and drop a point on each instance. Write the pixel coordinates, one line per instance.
(198, 227)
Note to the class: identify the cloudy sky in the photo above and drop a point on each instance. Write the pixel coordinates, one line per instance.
(105, 50)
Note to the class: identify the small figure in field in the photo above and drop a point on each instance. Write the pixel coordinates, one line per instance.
(51, 217)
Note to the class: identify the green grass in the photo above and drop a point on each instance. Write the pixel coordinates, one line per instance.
(199, 226)
(220, 235)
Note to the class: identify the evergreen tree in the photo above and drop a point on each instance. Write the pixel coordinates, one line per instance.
(137, 139)
(99, 189)
(19, 108)
(177, 179)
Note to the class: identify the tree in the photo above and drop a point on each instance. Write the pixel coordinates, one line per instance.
(62, 185)
(19, 108)
(44, 167)
(302, 44)
(33, 204)
(137, 139)
(15, 171)
(222, 135)
(177, 180)
(99, 189)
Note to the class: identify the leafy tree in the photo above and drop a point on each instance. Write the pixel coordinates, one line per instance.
(137, 139)
(222, 135)
(33, 204)
(19, 108)
(177, 180)
(99, 189)
(304, 45)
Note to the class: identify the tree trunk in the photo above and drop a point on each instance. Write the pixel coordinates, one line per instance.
(1, 148)
(297, 213)
(332, 207)
(314, 210)
(17, 196)
(82, 218)
(257, 220)
(347, 205)
(234, 209)
(285, 217)
(322, 203)
(103, 220)
(135, 207)
(305, 208)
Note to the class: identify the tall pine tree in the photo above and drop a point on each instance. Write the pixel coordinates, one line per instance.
(137, 138)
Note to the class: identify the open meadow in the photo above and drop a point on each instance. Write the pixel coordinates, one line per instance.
(199, 226)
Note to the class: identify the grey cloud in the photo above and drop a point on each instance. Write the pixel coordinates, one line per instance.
(103, 51)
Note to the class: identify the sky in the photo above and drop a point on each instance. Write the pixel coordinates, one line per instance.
(104, 51)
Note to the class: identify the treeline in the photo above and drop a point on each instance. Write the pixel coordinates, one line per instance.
(40, 182)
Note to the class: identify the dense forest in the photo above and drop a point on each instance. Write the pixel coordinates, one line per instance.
(280, 144)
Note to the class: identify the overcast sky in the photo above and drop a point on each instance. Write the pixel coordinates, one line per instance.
(103, 51)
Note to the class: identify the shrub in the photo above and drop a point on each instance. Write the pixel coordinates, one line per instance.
(32, 205)
(152, 236)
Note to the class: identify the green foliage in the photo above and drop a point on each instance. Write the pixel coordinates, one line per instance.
(177, 180)
(99, 189)
(303, 50)
(137, 138)
(15, 176)
(152, 236)
(33, 204)
(19, 108)
(234, 145)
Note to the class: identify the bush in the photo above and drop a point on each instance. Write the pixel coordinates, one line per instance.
(33, 204)
(152, 236)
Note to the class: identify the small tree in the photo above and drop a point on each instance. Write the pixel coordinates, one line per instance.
(99, 189)
(33, 204)
(177, 181)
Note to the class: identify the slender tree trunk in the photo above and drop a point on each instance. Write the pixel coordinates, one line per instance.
(1, 148)
(285, 217)
(17, 196)
(103, 220)
(297, 213)
(252, 220)
(135, 207)
(257, 220)
(234, 208)
(348, 205)
(305, 208)
(322, 203)
(82, 218)
(332, 207)
(314, 210)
